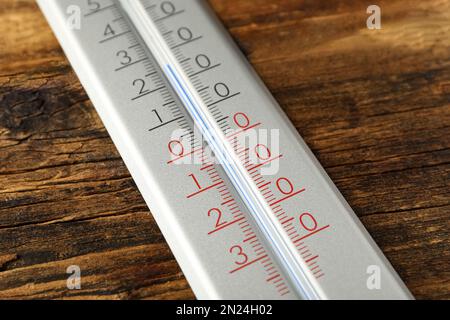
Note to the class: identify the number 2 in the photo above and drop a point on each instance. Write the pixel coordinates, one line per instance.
(141, 84)
(218, 214)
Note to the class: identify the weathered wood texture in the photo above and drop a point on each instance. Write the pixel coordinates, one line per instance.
(373, 105)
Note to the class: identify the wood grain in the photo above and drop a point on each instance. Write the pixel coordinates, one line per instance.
(374, 106)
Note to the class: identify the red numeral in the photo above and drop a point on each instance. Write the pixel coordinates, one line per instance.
(196, 181)
(239, 252)
(262, 152)
(218, 215)
(308, 222)
(241, 120)
(176, 148)
(285, 186)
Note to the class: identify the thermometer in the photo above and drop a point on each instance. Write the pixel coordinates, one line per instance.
(245, 207)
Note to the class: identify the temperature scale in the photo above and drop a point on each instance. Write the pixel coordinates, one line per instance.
(246, 208)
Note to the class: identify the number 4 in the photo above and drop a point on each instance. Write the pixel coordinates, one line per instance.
(109, 31)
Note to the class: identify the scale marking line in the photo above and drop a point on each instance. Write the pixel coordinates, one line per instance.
(311, 233)
(99, 10)
(264, 163)
(166, 123)
(222, 100)
(169, 16)
(225, 225)
(186, 42)
(204, 70)
(115, 36)
(288, 197)
(131, 64)
(243, 130)
(248, 264)
(205, 189)
(147, 93)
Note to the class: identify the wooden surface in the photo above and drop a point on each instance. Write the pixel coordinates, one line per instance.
(373, 105)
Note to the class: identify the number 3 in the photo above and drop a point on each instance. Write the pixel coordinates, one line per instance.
(238, 251)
